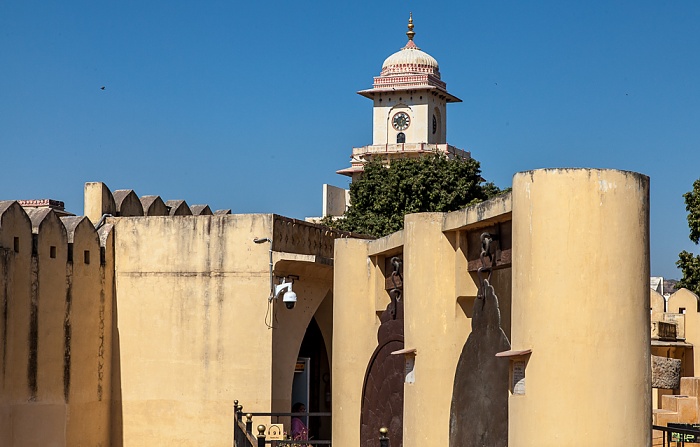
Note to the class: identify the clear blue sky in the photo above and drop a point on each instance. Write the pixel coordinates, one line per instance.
(252, 105)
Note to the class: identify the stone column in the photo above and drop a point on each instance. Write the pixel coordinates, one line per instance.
(581, 304)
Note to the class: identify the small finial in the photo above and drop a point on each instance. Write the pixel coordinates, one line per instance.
(383, 432)
(249, 417)
(261, 430)
(410, 32)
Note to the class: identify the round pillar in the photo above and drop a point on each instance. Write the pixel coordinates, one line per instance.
(581, 305)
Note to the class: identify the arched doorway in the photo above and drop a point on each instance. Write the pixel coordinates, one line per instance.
(318, 378)
(383, 388)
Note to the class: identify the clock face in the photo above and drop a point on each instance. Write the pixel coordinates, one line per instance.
(401, 121)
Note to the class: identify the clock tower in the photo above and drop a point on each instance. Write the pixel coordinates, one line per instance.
(410, 113)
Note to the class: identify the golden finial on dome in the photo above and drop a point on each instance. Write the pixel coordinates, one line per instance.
(410, 32)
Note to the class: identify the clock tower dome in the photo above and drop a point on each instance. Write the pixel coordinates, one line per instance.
(410, 113)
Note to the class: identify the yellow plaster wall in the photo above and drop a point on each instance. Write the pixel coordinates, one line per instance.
(49, 303)
(355, 325)
(49, 291)
(98, 201)
(685, 299)
(46, 299)
(15, 286)
(434, 326)
(191, 301)
(581, 303)
(289, 332)
(89, 389)
(438, 298)
(658, 304)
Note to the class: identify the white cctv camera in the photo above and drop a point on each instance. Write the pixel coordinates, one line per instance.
(289, 299)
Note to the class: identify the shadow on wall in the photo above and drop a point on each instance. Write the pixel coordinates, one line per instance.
(479, 413)
(117, 428)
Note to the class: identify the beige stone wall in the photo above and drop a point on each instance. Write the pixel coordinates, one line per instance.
(439, 293)
(658, 305)
(48, 374)
(191, 301)
(581, 304)
(98, 201)
(90, 290)
(435, 326)
(192, 322)
(355, 324)
(16, 249)
(314, 290)
(47, 315)
(588, 329)
(685, 302)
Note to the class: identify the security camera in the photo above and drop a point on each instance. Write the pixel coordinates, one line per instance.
(289, 299)
(284, 290)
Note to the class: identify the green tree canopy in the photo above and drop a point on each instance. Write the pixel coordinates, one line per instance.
(383, 195)
(687, 262)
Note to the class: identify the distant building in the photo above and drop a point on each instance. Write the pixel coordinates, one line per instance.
(665, 287)
(410, 117)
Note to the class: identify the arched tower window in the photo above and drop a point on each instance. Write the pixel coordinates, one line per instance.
(437, 129)
(401, 137)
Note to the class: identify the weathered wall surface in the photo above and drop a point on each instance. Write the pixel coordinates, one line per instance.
(313, 289)
(191, 301)
(439, 294)
(581, 304)
(47, 293)
(88, 325)
(355, 324)
(16, 248)
(192, 321)
(686, 303)
(435, 327)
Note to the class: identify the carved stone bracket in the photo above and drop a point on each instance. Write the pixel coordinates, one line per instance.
(502, 243)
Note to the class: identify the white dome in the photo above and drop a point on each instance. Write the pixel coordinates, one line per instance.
(408, 57)
(410, 60)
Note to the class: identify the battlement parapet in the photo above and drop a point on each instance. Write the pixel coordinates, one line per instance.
(41, 230)
(100, 201)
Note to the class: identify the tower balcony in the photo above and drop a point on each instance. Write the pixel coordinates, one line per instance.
(388, 152)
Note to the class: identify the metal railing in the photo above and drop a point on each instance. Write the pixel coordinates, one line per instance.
(243, 435)
(676, 436)
(243, 430)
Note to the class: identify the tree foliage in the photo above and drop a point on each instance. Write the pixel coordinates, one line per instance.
(687, 262)
(383, 195)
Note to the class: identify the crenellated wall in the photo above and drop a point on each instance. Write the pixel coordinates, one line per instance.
(145, 330)
(101, 201)
(192, 318)
(56, 287)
